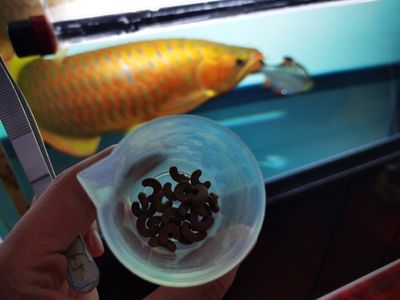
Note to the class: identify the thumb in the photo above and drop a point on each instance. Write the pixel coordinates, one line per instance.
(61, 212)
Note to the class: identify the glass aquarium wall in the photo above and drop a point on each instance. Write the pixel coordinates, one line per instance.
(325, 37)
(349, 50)
(347, 111)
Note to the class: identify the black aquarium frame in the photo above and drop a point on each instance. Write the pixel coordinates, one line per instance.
(342, 166)
(76, 30)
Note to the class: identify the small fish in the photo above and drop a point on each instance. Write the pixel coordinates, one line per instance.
(287, 78)
(82, 97)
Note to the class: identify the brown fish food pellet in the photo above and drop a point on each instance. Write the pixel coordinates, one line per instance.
(170, 245)
(189, 235)
(169, 214)
(187, 221)
(213, 202)
(169, 229)
(137, 211)
(144, 230)
(167, 189)
(153, 183)
(202, 225)
(200, 196)
(183, 210)
(154, 241)
(157, 202)
(183, 192)
(154, 220)
(143, 200)
(202, 210)
(173, 171)
(194, 179)
(183, 241)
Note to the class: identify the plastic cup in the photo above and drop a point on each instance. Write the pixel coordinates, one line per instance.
(189, 143)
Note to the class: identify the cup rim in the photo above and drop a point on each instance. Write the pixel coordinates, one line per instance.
(190, 278)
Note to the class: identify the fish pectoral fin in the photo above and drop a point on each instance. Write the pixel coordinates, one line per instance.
(76, 146)
(267, 83)
(133, 127)
(183, 104)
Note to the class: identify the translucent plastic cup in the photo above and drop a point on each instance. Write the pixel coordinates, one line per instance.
(189, 143)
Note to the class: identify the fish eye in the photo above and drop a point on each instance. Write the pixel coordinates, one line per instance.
(240, 62)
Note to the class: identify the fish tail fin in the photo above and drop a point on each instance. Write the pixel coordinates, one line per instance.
(16, 64)
(75, 146)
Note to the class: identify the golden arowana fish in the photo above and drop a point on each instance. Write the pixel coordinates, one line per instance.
(77, 100)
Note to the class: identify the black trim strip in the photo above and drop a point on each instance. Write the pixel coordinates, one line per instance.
(134, 21)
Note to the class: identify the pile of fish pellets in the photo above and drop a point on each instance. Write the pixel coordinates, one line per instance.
(183, 214)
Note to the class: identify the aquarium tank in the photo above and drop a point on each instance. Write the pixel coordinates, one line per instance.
(302, 83)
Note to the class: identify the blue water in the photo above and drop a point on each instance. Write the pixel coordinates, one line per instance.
(344, 112)
(288, 133)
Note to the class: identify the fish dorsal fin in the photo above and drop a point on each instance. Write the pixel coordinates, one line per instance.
(76, 146)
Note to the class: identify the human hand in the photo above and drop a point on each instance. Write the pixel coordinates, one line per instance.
(32, 257)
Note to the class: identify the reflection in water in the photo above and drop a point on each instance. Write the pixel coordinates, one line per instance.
(273, 162)
(253, 118)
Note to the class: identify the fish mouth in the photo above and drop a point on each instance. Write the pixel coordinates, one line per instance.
(254, 65)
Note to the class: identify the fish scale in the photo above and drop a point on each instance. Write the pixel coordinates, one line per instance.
(146, 83)
(116, 88)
